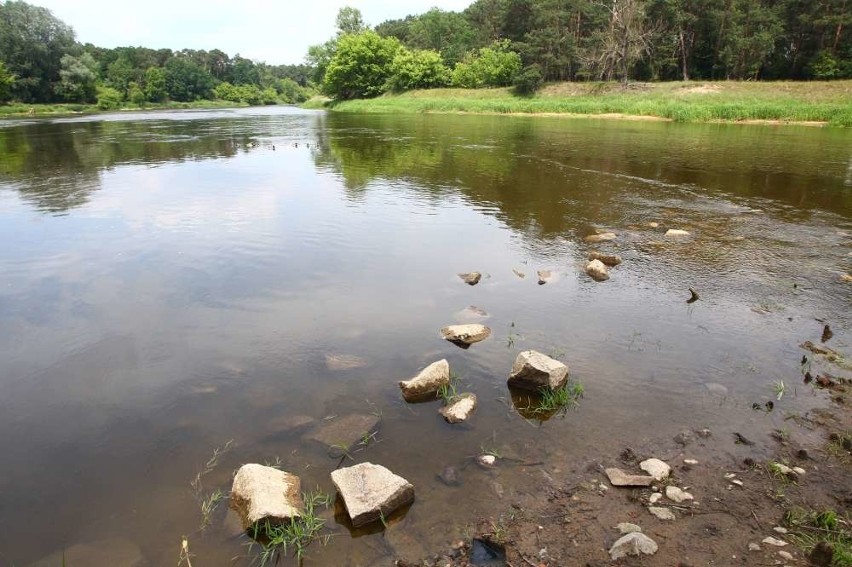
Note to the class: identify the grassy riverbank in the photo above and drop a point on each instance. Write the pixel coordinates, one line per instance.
(20, 110)
(802, 102)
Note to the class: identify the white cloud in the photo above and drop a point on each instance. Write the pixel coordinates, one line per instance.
(275, 31)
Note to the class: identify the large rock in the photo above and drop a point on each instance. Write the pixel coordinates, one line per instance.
(620, 478)
(601, 237)
(460, 409)
(471, 278)
(610, 260)
(635, 543)
(261, 493)
(534, 371)
(656, 468)
(114, 552)
(597, 270)
(345, 432)
(426, 384)
(465, 335)
(371, 492)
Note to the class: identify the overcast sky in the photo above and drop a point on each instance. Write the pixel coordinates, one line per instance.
(275, 31)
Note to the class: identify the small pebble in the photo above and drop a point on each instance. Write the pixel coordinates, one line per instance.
(775, 542)
(655, 497)
(798, 470)
(737, 482)
(780, 530)
(785, 555)
(730, 476)
(690, 462)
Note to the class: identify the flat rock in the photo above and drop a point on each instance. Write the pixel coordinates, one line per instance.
(676, 232)
(371, 492)
(472, 312)
(774, 542)
(337, 362)
(465, 335)
(610, 260)
(345, 432)
(544, 276)
(113, 552)
(635, 543)
(656, 468)
(427, 383)
(620, 478)
(289, 424)
(471, 278)
(533, 371)
(601, 237)
(261, 493)
(628, 528)
(675, 494)
(460, 409)
(597, 271)
(662, 513)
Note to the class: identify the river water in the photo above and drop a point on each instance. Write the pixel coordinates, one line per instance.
(172, 282)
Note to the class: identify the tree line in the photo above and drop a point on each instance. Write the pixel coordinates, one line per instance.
(526, 42)
(41, 62)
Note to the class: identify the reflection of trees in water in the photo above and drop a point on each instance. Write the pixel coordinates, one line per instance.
(57, 166)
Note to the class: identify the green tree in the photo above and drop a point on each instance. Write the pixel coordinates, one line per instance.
(109, 98)
(361, 66)
(7, 80)
(292, 92)
(349, 20)
(155, 84)
(418, 69)
(135, 94)
(121, 72)
(447, 32)
(494, 66)
(78, 78)
(244, 71)
(318, 58)
(187, 81)
(32, 43)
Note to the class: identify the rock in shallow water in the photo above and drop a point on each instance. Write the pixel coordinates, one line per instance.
(371, 492)
(544, 276)
(597, 271)
(460, 409)
(345, 432)
(450, 476)
(261, 493)
(426, 384)
(601, 237)
(471, 278)
(635, 543)
(675, 494)
(465, 335)
(656, 468)
(620, 478)
(610, 260)
(533, 371)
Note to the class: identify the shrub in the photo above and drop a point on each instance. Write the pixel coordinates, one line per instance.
(418, 69)
(361, 66)
(528, 81)
(108, 98)
(494, 66)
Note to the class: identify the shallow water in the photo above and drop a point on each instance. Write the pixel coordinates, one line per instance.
(173, 281)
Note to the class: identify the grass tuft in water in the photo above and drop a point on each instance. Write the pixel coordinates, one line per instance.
(294, 536)
(828, 529)
(448, 393)
(554, 402)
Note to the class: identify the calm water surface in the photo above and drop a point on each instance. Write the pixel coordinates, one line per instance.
(173, 281)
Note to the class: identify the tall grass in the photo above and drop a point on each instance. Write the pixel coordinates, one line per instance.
(828, 102)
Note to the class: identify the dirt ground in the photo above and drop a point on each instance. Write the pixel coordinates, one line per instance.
(572, 522)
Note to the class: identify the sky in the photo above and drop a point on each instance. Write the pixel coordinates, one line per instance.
(274, 31)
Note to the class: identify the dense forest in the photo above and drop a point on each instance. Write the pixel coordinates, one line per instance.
(498, 42)
(41, 62)
(491, 43)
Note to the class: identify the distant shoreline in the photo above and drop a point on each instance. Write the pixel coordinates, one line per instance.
(20, 110)
(795, 103)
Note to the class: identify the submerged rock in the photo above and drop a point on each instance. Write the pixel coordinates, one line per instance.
(449, 476)
(465, 335)
(289, 424)
(115, 552)
(635, 543)
(472, 312)
(620, 478)
(662, 513)
(533, 371)
(371, 492)
(601, 237)
(471, 278)
(336, 362)
(426, 384)
(519, 273)
(460, 409)
(656, 468)
(597, 270)
(261, 493)
(846, 278)
(610, 260)
(345, 432)
(544, 276)
(676, 232)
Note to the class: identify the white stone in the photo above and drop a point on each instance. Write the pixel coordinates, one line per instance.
(799, 470)
(753, 547)
(785, 555)
(371, 492)
(261, 493)
(737, 482)
(655, 497)
(779, 530)
(675, 494)
(597, 271)
(427, 382)
(656, 468)
(690, 462)
(627, 528)
(534, 371)
(486, 461)
(730, 476)
(602, 237)
(465, 335)
(775, 542)
(676, 232)
(635, 543)
(459, 410)
(662, 513)
(620, 478)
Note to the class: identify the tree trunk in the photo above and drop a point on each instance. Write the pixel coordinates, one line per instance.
(683, 56)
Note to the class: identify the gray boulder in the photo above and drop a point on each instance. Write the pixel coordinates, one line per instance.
(597, 270)
(465, 335)
(460, 409)
(426, 384)
(261, 493)
(533, 371)
(371, 492)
